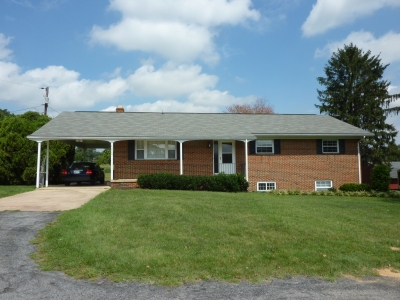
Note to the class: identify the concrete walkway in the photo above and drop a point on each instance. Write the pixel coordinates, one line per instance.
(57, 198)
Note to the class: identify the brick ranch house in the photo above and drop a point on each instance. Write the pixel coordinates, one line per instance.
(305, 152)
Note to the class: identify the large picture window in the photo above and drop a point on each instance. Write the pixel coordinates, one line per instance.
(155, 150)
(264, 146)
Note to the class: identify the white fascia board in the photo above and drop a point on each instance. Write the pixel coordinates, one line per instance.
(124, 138)
(313, 136)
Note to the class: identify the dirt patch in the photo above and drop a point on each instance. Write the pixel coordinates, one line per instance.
(395, 248)
(389, 272)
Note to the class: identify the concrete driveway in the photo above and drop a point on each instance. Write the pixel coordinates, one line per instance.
(57, 198)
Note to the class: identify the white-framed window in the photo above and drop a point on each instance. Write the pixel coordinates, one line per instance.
(155, 150)
(330, 146)
(266, 186)
(264, 146)
(323, 185)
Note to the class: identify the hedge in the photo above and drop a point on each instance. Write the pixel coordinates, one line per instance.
(355, 187)
(217, 183)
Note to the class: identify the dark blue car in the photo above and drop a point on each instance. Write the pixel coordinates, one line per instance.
(83, 172)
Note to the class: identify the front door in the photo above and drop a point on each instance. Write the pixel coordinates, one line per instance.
(226, 157)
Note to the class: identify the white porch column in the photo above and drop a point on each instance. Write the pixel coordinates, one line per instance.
(38, 164)
(47, 165)
(247, 160)
(359, 163)
(112, 159)
(180, 158)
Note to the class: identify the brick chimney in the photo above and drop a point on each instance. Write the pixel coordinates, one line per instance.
(120, 109)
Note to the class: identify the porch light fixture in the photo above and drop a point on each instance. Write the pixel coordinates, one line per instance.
(209, 144)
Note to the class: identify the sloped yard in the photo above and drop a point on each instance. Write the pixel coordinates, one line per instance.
(176, 237)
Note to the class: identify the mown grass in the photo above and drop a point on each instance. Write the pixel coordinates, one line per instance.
(176, 237)
(9, 190)
(107, 172)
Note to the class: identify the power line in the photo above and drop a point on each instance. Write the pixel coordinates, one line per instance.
(12, 101)
(25, 109)
(54, 110)
(20, 84)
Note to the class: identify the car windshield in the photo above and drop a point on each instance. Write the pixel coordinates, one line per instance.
(81, 165)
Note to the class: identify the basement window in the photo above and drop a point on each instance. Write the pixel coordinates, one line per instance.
(323, 185)
(266, 186)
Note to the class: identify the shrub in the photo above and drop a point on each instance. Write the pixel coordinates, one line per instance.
(380, 178)
(221, 182)
(355, 187)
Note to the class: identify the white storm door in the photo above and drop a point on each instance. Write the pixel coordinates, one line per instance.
(227, 157)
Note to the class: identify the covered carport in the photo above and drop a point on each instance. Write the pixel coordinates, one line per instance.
(76, 141)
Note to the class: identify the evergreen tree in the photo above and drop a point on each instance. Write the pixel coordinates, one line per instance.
(356, 93)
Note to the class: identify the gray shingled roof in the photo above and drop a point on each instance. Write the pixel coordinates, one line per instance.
(190, 126)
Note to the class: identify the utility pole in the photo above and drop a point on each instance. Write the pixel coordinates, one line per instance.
(46, 100)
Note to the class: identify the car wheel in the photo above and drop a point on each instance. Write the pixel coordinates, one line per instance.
(102, 180)
(67, 183)
(93, 182)
(78, 183)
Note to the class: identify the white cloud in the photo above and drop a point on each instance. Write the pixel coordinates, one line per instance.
(5, 53)
(207, 101)
(25, 3)
(179, 88)
(170, 80)
(168, 106)
(179, 30)
(67, 90)
(43, 4)
(387, 45)
(70, 92)
(328, 14)
(217, 98)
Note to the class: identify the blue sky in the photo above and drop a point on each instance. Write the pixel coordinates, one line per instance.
(183, 55)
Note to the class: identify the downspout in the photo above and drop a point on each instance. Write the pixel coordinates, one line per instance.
(38, 164)
(47, 165)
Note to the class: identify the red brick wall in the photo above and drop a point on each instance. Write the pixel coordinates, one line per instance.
(197, 160)
(298, 166)
(124, 185)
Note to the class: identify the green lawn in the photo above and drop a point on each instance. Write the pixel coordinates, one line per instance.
(176, 237)
(9, 190)
(107, 172)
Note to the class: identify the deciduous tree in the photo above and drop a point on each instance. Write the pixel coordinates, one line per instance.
(4, 113)
(104, 158)
(88, 154)
(260, 106)
(356, 93)
(18, 155)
